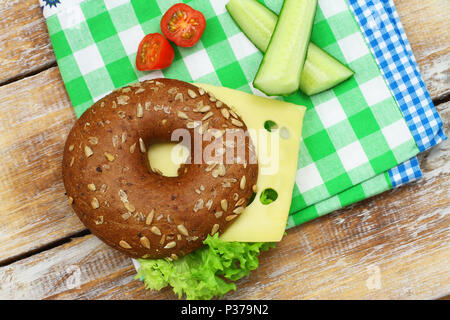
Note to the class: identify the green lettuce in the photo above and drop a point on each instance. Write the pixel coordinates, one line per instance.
(205, 273)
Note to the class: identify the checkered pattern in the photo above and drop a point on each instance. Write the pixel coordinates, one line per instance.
(381, 25)
(352, 133)
(364, 190)
(406, 172)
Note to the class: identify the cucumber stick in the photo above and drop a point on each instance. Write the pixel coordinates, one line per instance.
(255, 20)
(320, 72)
(280, 69)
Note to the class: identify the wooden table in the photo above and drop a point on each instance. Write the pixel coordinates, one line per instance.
(394, 246)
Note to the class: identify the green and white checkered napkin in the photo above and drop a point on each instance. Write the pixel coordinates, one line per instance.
(352, 134)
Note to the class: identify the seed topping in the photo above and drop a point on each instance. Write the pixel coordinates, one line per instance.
(172, 90)
(162, 240)
(93, 140)
(88, 151)
(231, 217)
(183, 230)
(99, 220)
(142, 145)
(129, 206)
(236, 122)
(182, 115)
(150, 216)
(224, 204)
(145, 242)
(155, 230)
(109, 156)
(103, 188)
(179, 97)
(139, 111)
(192, 94)
(198, 205)
(170, 245)
(225, 113)
(94, 203)
(115, 141)
(207, 116)
(238, 210)
(209, 204)
(126, 216)
(243, 182)
(124, 244)
(214, 229)
(192, 124)
(123, 100)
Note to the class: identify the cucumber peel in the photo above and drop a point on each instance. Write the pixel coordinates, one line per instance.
(320, 71)
(280, 69)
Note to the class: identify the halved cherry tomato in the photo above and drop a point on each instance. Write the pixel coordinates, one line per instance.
(154, 52)
(183, 25)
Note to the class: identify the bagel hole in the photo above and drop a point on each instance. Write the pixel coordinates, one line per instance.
(268, 196)
(165, 158)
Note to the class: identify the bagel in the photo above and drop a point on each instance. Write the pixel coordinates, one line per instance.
(120, 199)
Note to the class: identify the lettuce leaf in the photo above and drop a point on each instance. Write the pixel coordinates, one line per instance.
(205, 273)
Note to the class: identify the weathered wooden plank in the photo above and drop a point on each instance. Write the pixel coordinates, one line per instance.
(408, 240)
(24, 41)
(26, 46)
(35, 117)
(393, 246)
(427, 24)
(26, 110)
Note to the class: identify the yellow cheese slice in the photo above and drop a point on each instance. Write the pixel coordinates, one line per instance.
(259, 222)
(277, 171)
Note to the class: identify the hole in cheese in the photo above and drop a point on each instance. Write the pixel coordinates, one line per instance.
(270, 125)
(284, 133)
(268, 196)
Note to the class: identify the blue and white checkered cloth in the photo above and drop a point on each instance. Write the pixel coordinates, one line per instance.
(381, 26)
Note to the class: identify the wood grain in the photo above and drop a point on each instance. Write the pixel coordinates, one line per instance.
(393, 246)
(28, 104)
(24, 40)
(427, 25)
(35, 118)
(26, 46)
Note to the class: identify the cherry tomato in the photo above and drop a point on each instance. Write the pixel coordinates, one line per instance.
(183, 25)
(154, 52)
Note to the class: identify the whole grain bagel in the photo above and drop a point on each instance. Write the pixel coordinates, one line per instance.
(113, 190)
